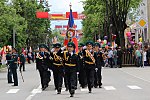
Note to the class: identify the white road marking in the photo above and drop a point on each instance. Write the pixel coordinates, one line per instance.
(13, 91)
(135, 76)
(134, 87)
(30, 97)
(34, 92)
(109, 88)
(84, 89)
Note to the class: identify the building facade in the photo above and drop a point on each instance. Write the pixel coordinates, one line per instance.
(148, 6)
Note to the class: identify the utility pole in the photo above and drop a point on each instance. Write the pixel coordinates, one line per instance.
(148, 8)
(14, 31)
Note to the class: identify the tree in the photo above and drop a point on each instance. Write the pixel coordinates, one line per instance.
(56, 33)
(20, 15)
(118, 11)
(111, 17)
(37, 29)
(9, 20)
(133, 16)
(93, 24)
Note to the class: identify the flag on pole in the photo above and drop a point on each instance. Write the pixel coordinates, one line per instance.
(70, 35)
(71, 20)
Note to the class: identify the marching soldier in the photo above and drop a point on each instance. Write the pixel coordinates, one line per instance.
(90, 61)
(99, 63)
(82, 72)
(47, 50)
(71, 68)
(42, 64)
(13, 63)
(57, 67)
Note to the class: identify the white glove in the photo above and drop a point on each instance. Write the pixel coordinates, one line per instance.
(77, 73)
(71, 53)
(84, 47)
(63, 48)
(96, 69)
(53, 50)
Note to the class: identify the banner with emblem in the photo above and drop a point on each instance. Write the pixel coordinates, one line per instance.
(71, 31)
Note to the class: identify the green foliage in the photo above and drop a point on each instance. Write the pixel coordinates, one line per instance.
(9, 20)
(20, 15)
(56, 33)
(104, 17)
(37, 29)
(93, 24)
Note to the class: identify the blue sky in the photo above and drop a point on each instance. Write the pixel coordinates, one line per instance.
(62, 6)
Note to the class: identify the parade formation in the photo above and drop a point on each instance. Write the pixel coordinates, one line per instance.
(83, 68)
(66, 64)
(73, 63)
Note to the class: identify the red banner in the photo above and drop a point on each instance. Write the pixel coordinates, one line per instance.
(42, 15)
(58, 26)
(63, 26)
(75, 14)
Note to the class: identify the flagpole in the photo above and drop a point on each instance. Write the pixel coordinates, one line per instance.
(70, 5)
(69, 39)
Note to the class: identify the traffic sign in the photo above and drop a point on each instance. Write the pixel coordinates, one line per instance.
(142, 23)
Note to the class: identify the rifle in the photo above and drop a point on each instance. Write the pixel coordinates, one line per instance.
(22, 76)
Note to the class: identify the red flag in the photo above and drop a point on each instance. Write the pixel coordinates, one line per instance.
(65, 42)
(75, 41)
(42, 15)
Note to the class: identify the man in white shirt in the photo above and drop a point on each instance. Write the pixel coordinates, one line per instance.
(110, 57)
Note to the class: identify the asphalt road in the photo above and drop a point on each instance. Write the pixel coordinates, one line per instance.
(118, 84)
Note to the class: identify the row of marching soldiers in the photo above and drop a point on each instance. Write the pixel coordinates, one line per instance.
(66, 64)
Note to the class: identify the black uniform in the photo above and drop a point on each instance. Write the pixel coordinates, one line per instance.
(82, 72)
(42, 64)
(98, 74)
(58, 70)
(13, 67)
(90, 68)
(9, 74)
(119, 57)
(22, 62)
(71, 68)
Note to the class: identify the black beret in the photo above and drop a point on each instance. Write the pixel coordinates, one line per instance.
(89, 43)
(97, 44)
(71, 44)
(57, 45)
(42, 46)
(81, 45)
